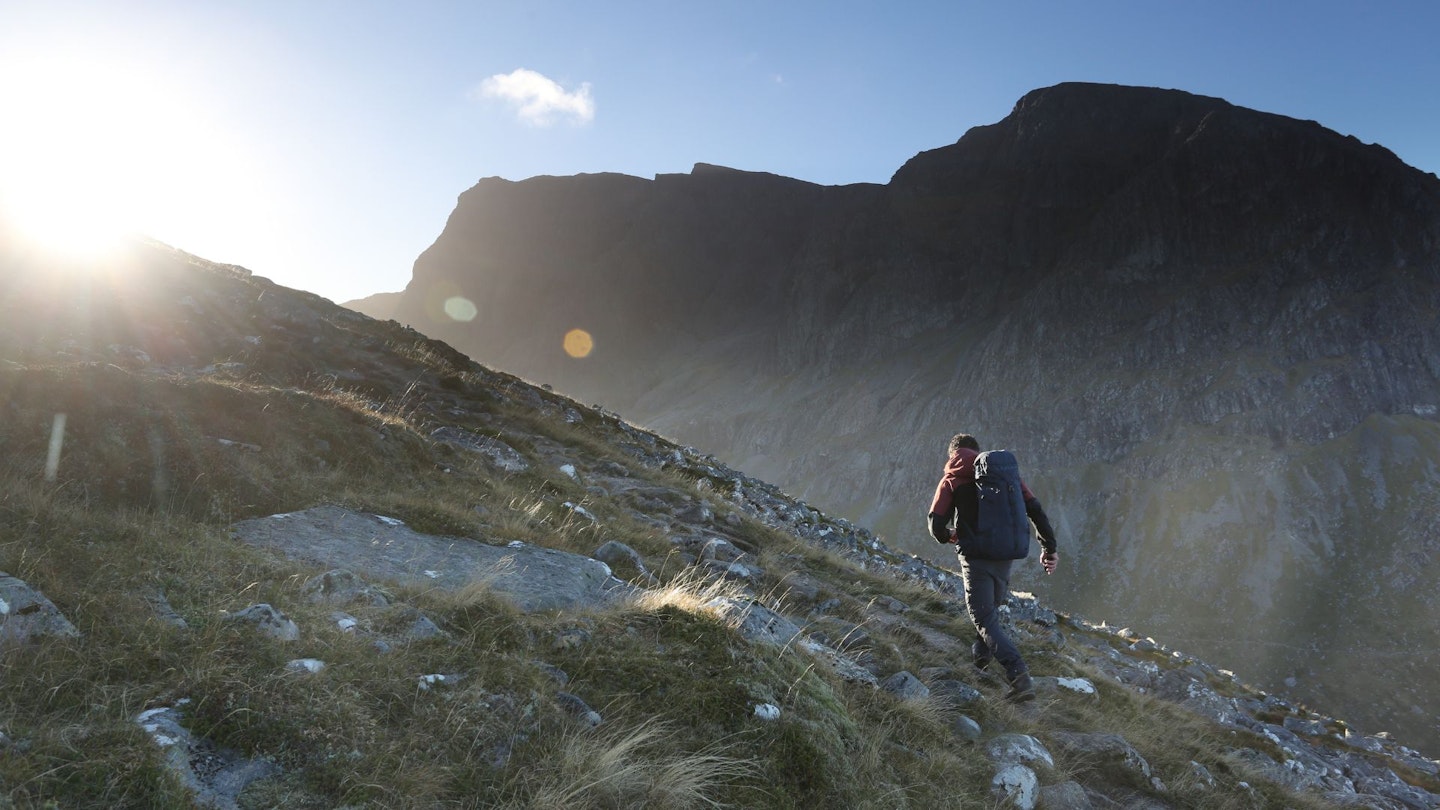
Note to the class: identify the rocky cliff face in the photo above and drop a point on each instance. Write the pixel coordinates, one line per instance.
(1208, 332)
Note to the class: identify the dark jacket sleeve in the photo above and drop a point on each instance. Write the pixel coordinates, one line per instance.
(1036, 513)
(939, 527)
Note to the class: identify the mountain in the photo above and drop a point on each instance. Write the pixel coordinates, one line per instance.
(1208, 333)
(257, 550)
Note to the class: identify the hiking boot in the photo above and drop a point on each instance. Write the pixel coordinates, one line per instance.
(1022, 688)
(980, 655)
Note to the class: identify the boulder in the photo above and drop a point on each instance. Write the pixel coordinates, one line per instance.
(1064, 796)
(754, 622)
(955, 693)
(578, 709)
(341, 587)
(905, 686)
(1018, 748)
(1016, 785)
(1111, 749)
(25, 614)
(267, 620)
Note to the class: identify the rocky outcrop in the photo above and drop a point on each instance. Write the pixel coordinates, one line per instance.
(533, 577)
(1207, 332)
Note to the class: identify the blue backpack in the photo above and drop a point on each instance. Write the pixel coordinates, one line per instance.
(1002, 531)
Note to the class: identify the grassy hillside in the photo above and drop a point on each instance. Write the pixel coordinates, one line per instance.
(195, 396)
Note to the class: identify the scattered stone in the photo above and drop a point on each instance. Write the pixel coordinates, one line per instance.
(844, 666)
(309, 666)
(1080, 686)
(578, 709)
(344, 621)
(731, 571)
(1065, 796)
(754, 622)
(718, 548)
(1017, 785)
(267, 620)
(892, 604)
(905, 686)
(428, 682)
(216, 775)
(570, 638)
(581, 511)
(615, 553)
(554, 673)
(1018, 748)
(341, 587)
(25, 614)
(966, 728)
(418, 626)
(1310, 728)
(1202, 778)
(1102, 747)
(955, 693)
(500, 454)
(165, 612)
(767, 711)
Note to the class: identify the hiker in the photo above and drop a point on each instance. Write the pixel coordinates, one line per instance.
(987, 581)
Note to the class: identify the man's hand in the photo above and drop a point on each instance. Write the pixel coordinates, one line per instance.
(1049, 559)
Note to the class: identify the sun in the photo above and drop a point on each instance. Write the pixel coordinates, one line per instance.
(95, 151)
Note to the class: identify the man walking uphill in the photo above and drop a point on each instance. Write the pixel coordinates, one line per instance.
(987, 571)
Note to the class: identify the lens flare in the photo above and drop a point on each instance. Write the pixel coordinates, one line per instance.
(460, 308)
(578, 343)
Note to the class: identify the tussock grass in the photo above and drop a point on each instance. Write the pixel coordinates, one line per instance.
(690, 592)
(632, 767)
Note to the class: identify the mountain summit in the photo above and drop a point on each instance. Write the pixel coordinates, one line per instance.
(1207, 332)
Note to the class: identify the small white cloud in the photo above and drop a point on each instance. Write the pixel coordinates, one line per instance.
(538, 99)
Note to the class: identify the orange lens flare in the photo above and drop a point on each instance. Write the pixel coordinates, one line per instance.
(578, 343)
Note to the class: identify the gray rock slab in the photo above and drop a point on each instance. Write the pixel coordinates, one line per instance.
(26, 614)
(533, 577)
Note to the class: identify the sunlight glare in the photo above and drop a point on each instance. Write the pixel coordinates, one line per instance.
(93, 151)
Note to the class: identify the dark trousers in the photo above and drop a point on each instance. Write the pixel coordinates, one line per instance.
(987, 587)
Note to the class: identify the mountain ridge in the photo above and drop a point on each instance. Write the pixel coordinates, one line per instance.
(1177, 345)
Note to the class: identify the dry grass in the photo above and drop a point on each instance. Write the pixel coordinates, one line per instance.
(633, 768)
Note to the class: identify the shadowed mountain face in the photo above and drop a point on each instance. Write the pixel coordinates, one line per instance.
(1209, 333)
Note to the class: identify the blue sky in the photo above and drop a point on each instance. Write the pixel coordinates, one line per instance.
(323, 143)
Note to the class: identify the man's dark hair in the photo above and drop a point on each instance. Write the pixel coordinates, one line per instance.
(960, 440)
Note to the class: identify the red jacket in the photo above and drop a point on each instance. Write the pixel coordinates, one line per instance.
(956, 494)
